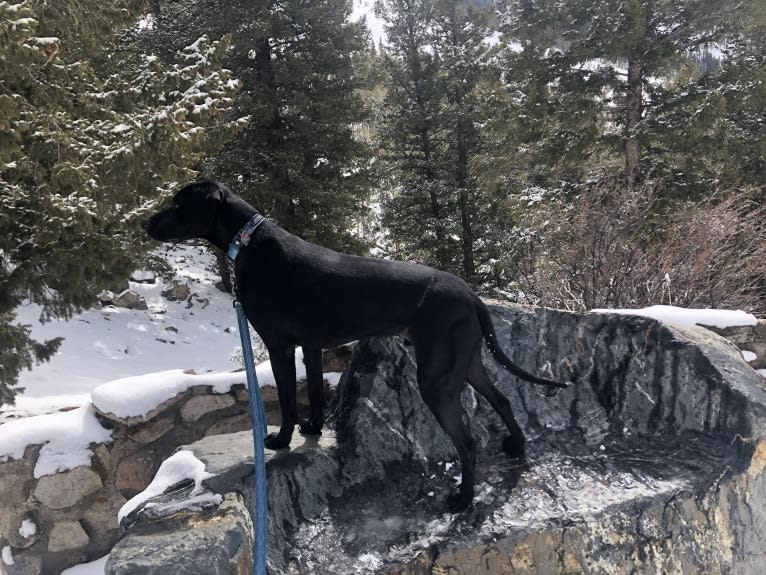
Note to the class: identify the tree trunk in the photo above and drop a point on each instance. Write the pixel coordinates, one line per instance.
(462, 179)
(633, 113)
(469, 267)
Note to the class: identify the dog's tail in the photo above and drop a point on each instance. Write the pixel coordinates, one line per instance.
(488, 330)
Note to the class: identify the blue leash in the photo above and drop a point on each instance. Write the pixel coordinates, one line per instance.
(259, 432)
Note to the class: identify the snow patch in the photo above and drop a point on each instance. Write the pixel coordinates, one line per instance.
(96, 567)
(749, 355)
(139, 395)
(7, 555)
(179, 467)
(719, 318)
(65, 437)
(27, 529)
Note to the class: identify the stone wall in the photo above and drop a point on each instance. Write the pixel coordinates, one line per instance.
(653, 462)
(56, 521)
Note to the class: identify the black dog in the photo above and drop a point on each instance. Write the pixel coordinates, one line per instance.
(297, 293)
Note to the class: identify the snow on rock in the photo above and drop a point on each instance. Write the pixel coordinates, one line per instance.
(139, 395)
(93, 568)
(66, 439)
(712, 317)
(7, 555)
(28, 528)
(178, 467)
(266, 375)
(749, 356)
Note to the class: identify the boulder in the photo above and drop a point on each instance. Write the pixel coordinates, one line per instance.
(130, 300)
(169, 533)
(213, 540)
(653, 461)
(179, 292)
(143, 277)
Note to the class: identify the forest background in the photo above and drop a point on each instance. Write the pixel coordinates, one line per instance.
(568, 153)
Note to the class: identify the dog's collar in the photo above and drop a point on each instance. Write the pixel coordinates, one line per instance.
(242, 237)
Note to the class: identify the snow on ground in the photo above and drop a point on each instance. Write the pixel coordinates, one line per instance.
(123, 362)
(106, 344)
(712, 317)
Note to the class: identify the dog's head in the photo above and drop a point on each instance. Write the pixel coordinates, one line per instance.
(193, 214)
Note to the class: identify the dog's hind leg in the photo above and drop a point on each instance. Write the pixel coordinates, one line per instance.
(441, 372)
(315, 384)
(283, 365)
(479, 380)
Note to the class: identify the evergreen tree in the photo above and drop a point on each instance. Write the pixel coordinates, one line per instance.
(298, 159)
(83, 155)
(460, 35)
(436, 58)
(620, 49)
(418, 207)
(301, 68)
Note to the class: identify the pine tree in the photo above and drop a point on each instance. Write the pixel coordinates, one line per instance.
(83, 154)
(442, 89)
(460, 35)
(299, 64)
(625, 44)
(419, 205)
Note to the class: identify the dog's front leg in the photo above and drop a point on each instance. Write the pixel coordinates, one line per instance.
(283, 365)
(315, 383)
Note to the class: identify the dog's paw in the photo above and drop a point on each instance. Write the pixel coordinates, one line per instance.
(309, 428)
(276, 441)
(459, 501)
(514, 447)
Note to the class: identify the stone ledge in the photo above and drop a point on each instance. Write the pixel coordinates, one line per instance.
(653, 462)
(152, 538)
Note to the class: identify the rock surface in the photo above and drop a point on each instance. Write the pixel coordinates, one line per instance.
(654, 461)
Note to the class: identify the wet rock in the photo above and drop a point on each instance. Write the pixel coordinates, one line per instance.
(135, 472)
(649, 464)
(162, 536)
(24, 565)
(337, 359)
